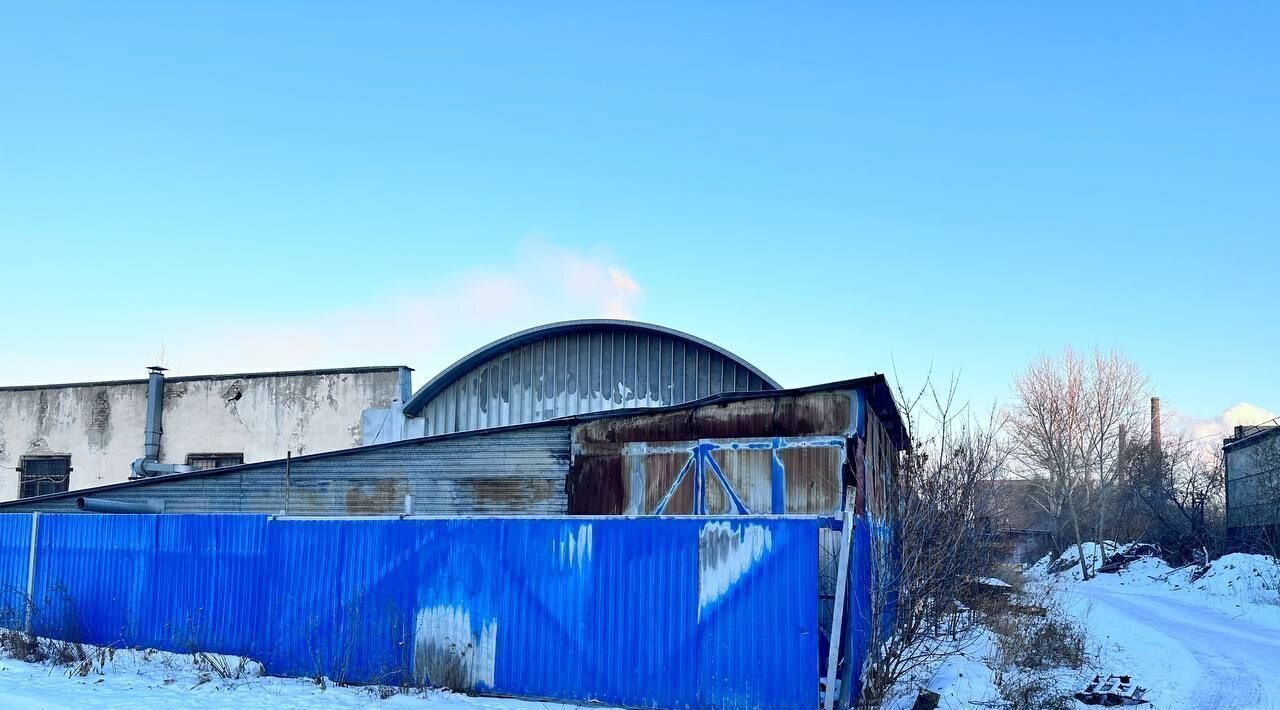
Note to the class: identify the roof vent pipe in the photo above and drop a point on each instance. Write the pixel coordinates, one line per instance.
(149, 464)
(155, 414)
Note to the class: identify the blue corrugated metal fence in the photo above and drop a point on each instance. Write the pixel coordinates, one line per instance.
(714, 613)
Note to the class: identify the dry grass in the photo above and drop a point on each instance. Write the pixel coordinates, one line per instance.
(1039, 652)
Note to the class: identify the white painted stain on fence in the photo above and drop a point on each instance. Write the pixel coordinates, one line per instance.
(725, 553)
(575, 546)
(448, 654)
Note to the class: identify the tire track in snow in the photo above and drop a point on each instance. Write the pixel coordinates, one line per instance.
(1189, 655)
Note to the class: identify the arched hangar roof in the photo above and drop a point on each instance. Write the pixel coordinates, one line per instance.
(577, 367)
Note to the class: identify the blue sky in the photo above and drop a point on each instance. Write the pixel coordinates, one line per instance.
(825, 190)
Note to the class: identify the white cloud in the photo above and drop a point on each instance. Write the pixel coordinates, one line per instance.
(426, 326)
(1210, 431)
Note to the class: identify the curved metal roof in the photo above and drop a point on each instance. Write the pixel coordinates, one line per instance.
(576, 367)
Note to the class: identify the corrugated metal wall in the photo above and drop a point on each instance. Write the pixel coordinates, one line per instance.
(15, 544)
(711, 613)
(589, 371)
(518, 472)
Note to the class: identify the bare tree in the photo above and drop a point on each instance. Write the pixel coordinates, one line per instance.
(940, 548)
(1180, 492)
(1066, 426)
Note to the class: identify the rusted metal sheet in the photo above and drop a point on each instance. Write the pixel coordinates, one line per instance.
(814, 478)
(805, 414)
(501, 472)
(713, 476)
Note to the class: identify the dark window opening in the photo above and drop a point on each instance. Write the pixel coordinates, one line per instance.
(42, 475)
(202, 462)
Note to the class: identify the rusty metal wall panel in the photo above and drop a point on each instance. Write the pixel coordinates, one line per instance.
(750, 475)
(712, 476)
(813, 478)
(589, 370)
(501, 472)
(810, 414)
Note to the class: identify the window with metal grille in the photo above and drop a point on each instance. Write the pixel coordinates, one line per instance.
(42, 475)
(206, 461)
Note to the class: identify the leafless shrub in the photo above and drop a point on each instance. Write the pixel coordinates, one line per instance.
(1029, 691)
(336, 662)
(18, 644)
(939, 544)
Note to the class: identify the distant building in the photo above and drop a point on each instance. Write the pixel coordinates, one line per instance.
(1252, 458)
(1008, 509)
(56, 438)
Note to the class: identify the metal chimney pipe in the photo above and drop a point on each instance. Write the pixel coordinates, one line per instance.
(155, 414)
(1156, 437)
(103, 505)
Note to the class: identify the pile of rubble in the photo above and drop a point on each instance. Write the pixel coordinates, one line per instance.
(1127, 554)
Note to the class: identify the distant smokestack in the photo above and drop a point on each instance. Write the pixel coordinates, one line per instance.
(1122, 440)
(1156, 437)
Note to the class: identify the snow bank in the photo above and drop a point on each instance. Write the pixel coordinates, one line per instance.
(1094, 555)
(963, 679)
(128, 680)
(1236, 583)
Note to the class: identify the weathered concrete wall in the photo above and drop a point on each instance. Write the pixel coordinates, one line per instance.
(260, 415)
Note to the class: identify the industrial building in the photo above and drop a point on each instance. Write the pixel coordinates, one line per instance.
(694, 479)
(62, 437)
(68, 437)
(774, 451)
(1252, 459)
(578, 418)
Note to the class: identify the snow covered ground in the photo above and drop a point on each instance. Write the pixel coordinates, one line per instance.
(1213, 642)
(1210, 641)
(162, 680)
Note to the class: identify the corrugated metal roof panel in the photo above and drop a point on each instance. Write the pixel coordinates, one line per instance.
(568, 369)
(519, 471)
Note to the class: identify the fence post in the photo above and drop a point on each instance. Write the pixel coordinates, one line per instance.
(837, 617)
(31, 571)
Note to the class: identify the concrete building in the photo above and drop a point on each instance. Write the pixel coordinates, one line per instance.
(1252, 458)
(71, 436)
